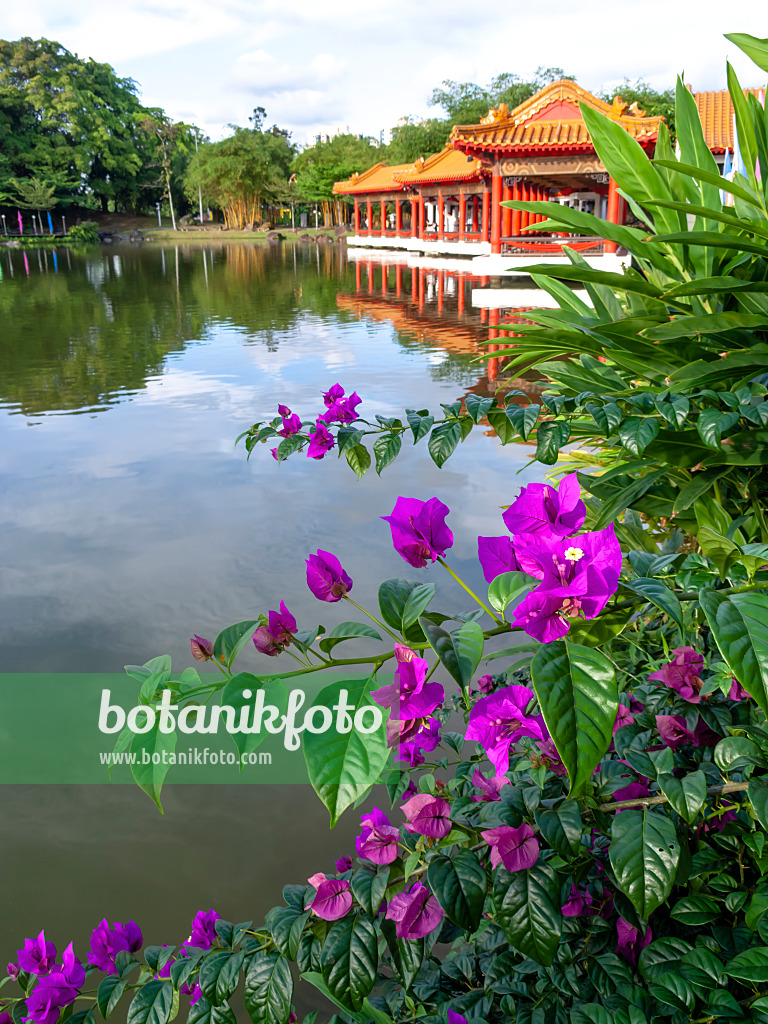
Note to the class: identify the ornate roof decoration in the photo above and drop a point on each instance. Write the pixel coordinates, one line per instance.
(551, 119)
(447, 165)
(378, 178)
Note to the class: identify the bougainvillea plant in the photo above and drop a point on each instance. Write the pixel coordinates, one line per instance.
(572, 803)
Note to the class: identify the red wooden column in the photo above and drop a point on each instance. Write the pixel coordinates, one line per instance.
(414, 216)
(398, 277)
(358, 276)
(440, 215)
(398, 217)
(369, 225)
(474, 214)
(462, 215)
(496, 192)
(612, 213)
(357, 216)
(493, 363)
(414, 285)
(440, 287)
(383, 215)
(486, 213)
(506, 213)
(525, 197)
(384, 278)
(516, 214)
(422, 287)
(461, 285)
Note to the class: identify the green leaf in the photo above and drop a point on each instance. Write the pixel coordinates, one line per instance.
(268, 989)
(108, 996)
(150, 776)
(524, 418)
(637, 432)
(696, 910)
(349, 959)
(673, 990)
(347, 437)
(550, 438)
(288, 446)
(459, 884)
(599, 631)
(577, 692)
(347, 631)
(417, 602)
(562, 827)
(527, 908)
(626, 497)
(504, 589)
(712, 424)
(368, 887)
(420, 423)
(443, 442)
(386, 449)
(234, 696)
(686, 795)
(219, 975)
(756, 49)
(607, 416)
(758, 797)
(343, 766)
(662, 955)
(751, 965)
(701, 484)
(460, 651)
(478, 407)
(644, 852)
(736, 752)
(723, 552)
(359, 459)
(657, 593)
(393, 598)
(152, 1003)
(232, 640)
(739, 624)
(286, 925)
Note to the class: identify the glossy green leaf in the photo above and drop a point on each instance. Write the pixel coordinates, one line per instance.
(219, 974)
(758, 797)
(420, 423)
(644, 852)
(286, 925)
(477, 407)
(712, 424)
(672, 989)
(443, 442)
(359, 459)
(234, 696)
(599, 631)
(459, 652)
(150, 776)
(369, 884)
(152, 1003)
(562, 827)
(459, 884)
(349, 959)
(637, 432)
(507, 587)
(344, 766)
(701, 484)
(577, 692)
(232, 640)
(696, 910)
(386, 449)
(347, 631)
(751, 965)
(551, 436)
(755, 48)
(739, 624)
(527, 908)
(268, 989)
(417, 602)
(658, 594)
(686, 795)
(109, 992)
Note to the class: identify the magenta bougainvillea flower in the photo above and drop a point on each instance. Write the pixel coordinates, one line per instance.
(491, 788)
(682, 674)
(415, 742)
(456, 1018)
(428, 816)
(378, 840)
(419, 532)
(55, 990)
(543, 511)
(38, 956)
(326, 578)
(291, 422)
(498, 555)
(107, 942)
(203, 934)
(674, 731)
(409, 695)
(578, 904)
(623, 717)
(342, 411)
(275, 637)
(516, 848)
(548, 754)
(202, 650)
(321, 440)
(415, 912)
(630, 944)
(485, 684)
(499, 720)
(579, 576)
(343, 864)
(334, 394)
(333, 899)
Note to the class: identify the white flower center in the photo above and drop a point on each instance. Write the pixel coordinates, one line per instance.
(574, 554)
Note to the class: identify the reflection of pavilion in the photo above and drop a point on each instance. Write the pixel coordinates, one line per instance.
(434, 305)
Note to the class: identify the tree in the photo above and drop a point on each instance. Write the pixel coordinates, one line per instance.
(234, 174)
(413, 139)
(321, 165)
(648, 99)
(468, 103)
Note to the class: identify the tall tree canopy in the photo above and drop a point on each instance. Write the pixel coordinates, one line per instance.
(650, 100)
(467, 103)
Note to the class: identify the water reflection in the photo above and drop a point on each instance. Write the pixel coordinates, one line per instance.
(130, 522)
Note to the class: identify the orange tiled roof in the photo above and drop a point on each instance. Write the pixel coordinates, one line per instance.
(447, 165)
(716, 113)
(528, 127)
(378, 178)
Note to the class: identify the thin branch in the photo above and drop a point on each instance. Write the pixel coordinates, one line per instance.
(620, 805)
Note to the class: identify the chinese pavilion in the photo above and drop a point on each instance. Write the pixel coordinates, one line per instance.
(450, 202)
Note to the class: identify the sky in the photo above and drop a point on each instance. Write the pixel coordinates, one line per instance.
(323, 65)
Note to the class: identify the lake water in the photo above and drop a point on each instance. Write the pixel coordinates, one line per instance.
(130, 522)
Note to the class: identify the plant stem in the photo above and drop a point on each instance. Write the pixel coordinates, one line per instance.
(373, 618)
(470, 592)
(620, 805)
